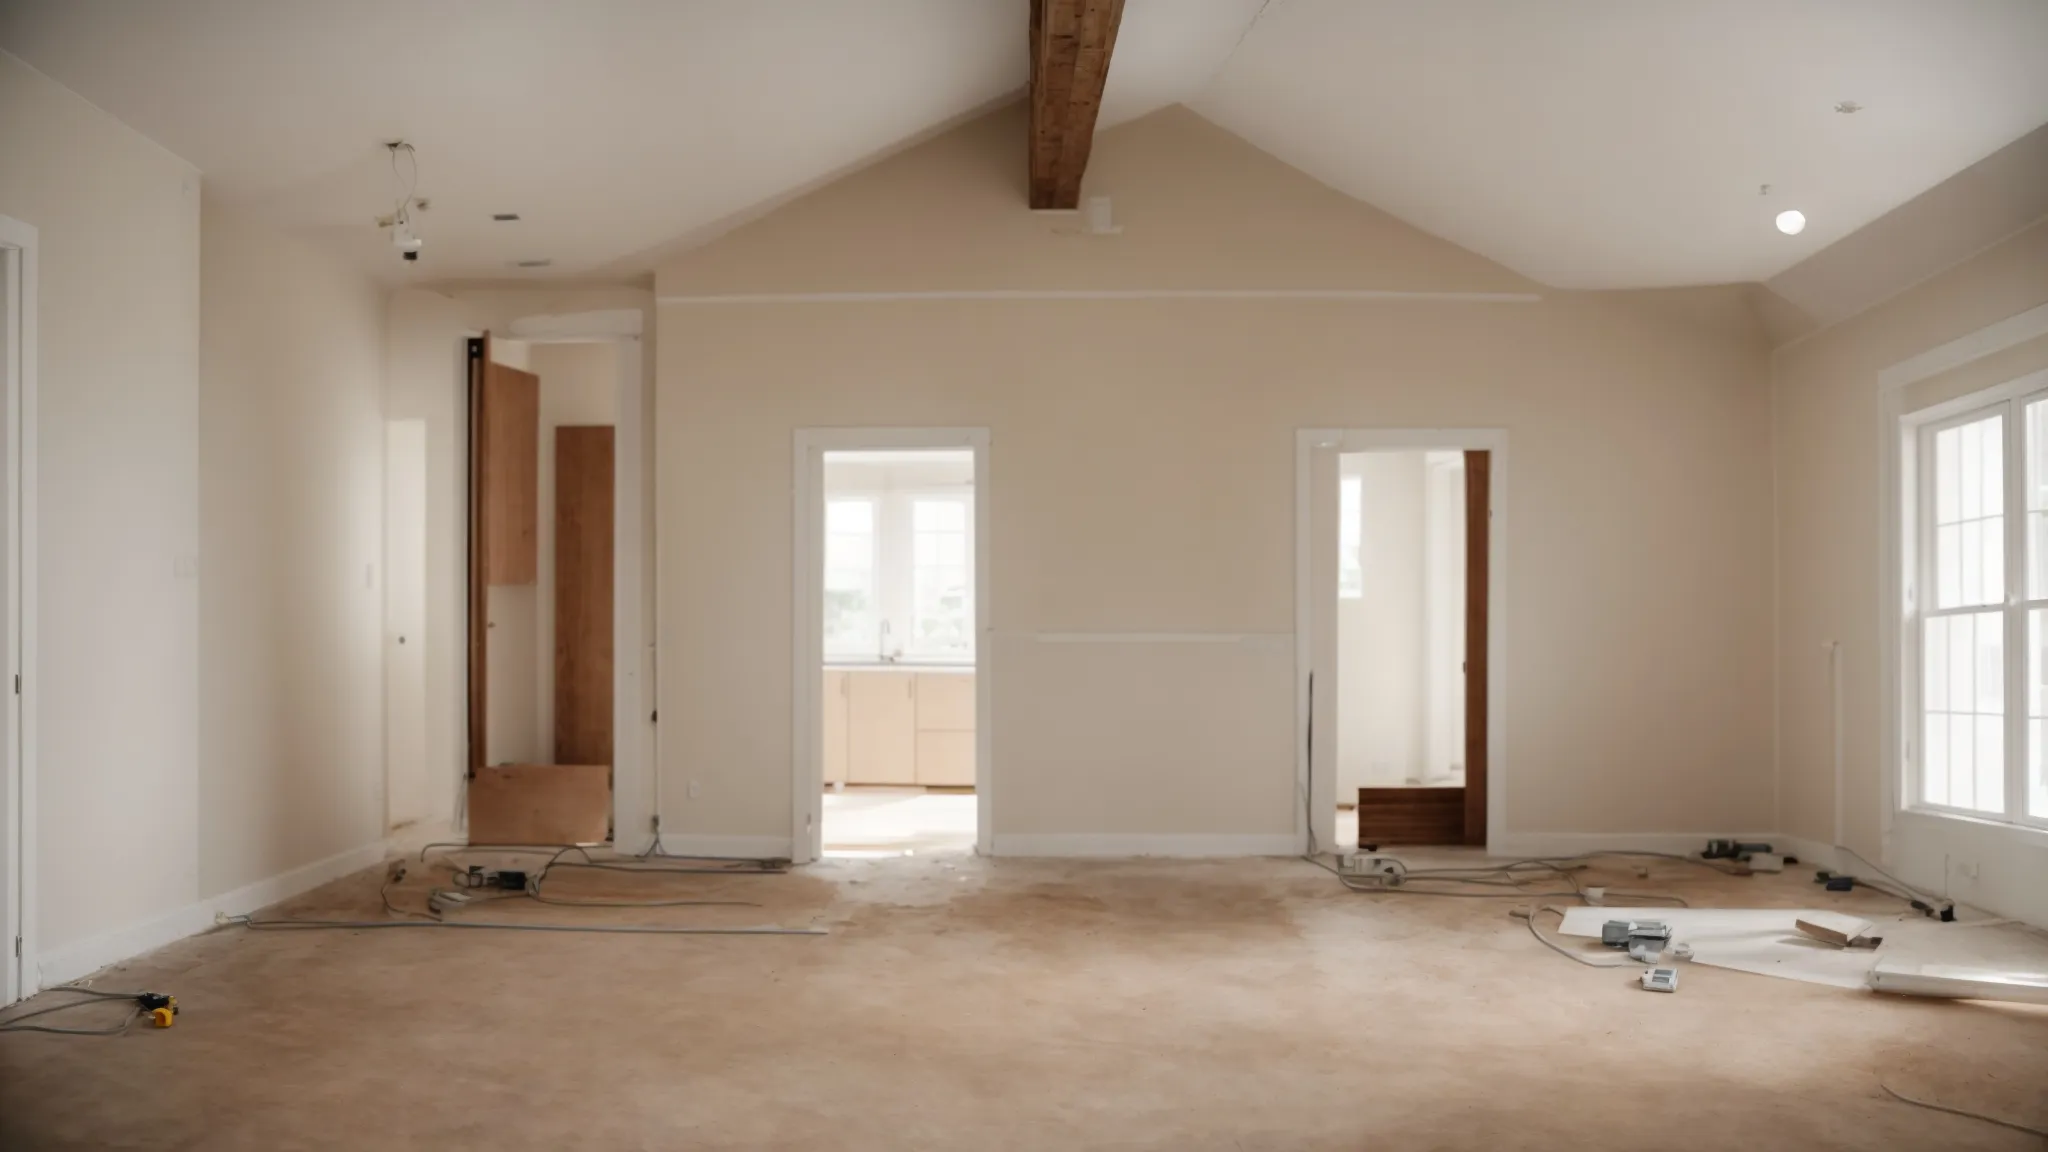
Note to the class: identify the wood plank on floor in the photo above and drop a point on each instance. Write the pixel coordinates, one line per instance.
(540, 804)
(1411, 816)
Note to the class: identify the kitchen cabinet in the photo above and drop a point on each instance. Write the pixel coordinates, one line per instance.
(898, 726)
(882, 728)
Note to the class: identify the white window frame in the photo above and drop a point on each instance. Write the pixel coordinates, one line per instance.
(1915, 432)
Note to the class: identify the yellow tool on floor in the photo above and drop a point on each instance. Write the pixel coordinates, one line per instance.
(162, 1008)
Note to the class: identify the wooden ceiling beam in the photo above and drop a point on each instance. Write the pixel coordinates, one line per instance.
(1071, 42)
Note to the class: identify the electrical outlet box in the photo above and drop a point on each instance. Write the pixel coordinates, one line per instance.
(1661, 980)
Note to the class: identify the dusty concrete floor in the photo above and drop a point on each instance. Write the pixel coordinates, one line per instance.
(1012, 1005)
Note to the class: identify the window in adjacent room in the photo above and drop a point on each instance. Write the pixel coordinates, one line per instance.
(1350, 533)
(942, 598)
(852, 617)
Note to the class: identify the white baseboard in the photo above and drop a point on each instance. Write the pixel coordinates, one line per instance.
(1524, 844)
(736, 847)
(1142, 844)
(90, 955)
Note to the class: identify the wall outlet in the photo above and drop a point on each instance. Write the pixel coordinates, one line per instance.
(1966, 868)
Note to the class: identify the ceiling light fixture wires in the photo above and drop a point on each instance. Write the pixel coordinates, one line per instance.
(408, 181)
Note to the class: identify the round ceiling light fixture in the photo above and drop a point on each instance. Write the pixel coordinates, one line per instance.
(1791, 221)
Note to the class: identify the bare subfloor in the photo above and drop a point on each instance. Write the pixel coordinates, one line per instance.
(964, 1003)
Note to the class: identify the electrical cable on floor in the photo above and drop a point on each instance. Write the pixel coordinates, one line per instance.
(1528, 916)
(602, 929)
(2014, 1125)
(90, 996)
(743, 866)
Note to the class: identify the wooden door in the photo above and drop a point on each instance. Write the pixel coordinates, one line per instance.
(583, 594)
(881, 729)
(1478, 535)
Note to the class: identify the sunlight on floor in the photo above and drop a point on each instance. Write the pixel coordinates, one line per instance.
(869, 823)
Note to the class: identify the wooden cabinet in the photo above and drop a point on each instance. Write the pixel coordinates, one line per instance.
(833, 732)
(881, 728)
(945, 702)
(889, 726)
(945, 758)
(508, 475)
(945, 729)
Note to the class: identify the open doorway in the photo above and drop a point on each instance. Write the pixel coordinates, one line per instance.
(542, 574)
(892, 583)
(1401, 616)
(1398, 592)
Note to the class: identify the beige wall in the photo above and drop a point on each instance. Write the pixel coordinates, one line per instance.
(116, 689)
(291, 607)
(1826, 443)
(1142, 481)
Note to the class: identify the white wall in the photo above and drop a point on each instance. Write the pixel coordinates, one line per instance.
(1142, 482)
(1380, 635)
(117, 691)
(425, 378)
(291, 607)
(1825, 439)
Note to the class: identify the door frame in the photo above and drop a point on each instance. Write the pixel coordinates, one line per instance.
(19, 977)
(1317, 799)
(636, 798)
(807, 615)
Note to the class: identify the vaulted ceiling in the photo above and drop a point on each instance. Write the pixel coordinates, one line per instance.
(1585, 143)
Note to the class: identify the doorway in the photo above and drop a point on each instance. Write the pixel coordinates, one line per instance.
(542, 575)
(18, 976)
(892, 658)
(1401, 618)
(1397, 650)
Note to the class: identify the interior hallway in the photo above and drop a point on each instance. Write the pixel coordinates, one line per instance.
(1012, 1004)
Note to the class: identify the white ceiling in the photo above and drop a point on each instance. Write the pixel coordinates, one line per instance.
(1621, 143)
(1586, 143)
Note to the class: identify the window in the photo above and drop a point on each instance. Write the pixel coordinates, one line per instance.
(899, 576)
(1350, 534)
(852, 616)
(942, 599)
(1980, 590)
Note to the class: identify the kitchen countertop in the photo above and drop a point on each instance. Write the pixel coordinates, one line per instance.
(901, 666)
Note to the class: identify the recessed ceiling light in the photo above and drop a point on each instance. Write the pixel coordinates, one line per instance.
(1848, 107)
(1791, 221)
(533, 263)
(504, 217)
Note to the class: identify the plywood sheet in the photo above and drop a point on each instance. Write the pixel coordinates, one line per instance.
(509, 475)
(540, 804)
(584, 529)
(1411, 815)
